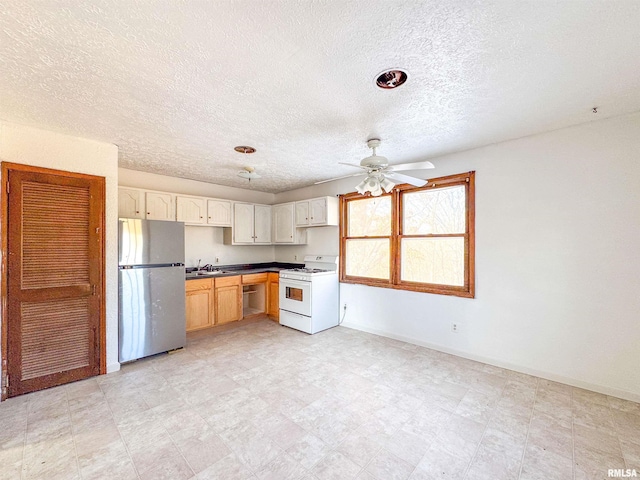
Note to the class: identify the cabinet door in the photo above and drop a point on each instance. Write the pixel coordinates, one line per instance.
(273, 303)
(262, 227)
(318, 209)
(283, 228)
(199, 309)
(190, 210)
(199, 303)
(219, 213)
(228, 304)
(302, 214)
(130, 203)
(159, 206)
(243, 223)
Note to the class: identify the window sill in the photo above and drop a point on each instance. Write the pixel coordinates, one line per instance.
(423, 288)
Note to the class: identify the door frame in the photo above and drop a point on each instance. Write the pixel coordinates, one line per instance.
(7, 167)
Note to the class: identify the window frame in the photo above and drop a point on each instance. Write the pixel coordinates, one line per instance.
(467, 290)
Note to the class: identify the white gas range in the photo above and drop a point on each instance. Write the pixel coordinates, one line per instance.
(309, 296)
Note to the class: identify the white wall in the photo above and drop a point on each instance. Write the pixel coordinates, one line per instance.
(557, 260)
(205, 242)
(320, 241)
(32, 146)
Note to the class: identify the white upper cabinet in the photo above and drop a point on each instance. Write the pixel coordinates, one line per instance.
(247, 223)
(284, 225)
(159, 206)
(219, 213)
(262, 224)
(130, 203)
(318, 208)
(251, 224)
(191, 210)
(317, 212)
(243, 216)
(302, 214)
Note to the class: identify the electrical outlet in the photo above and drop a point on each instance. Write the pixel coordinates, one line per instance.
(455, 327)
(344, 307)
(295, 257)
(217, 259)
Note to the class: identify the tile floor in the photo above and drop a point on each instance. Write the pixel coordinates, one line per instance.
(262, 401)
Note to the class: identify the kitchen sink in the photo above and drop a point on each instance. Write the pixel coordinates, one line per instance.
(206, 274)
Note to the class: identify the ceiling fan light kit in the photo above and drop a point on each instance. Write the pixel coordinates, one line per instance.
(375, 185)
(249, 173)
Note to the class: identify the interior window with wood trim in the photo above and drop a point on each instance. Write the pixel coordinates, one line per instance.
(413, 238)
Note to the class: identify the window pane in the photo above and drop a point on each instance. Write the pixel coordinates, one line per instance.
(368, 258)
(441, 210)
(433, 260)
(370, 217)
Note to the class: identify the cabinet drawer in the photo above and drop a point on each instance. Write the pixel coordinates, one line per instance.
(199, 284)
(254, 278)
(227, 281)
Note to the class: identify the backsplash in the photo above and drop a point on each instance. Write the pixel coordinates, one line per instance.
(205, 243)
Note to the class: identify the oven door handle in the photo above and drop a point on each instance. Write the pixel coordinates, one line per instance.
(289, 281)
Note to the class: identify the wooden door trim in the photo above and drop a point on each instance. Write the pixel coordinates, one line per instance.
(6, 168)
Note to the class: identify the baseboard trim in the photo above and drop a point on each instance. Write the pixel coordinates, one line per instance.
(113, 367)
(614, 392)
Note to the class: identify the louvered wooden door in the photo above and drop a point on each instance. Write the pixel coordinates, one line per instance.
(55, 268)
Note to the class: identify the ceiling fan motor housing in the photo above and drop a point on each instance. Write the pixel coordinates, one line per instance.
(374, 161)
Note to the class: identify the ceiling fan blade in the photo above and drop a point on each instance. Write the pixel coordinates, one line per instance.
(412, 166)
(417, 182)
(351, 164)
(338, 178)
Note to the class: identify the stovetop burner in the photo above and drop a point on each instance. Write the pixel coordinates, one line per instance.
(307, 270)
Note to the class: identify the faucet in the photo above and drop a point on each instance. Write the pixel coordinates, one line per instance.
(198, 267)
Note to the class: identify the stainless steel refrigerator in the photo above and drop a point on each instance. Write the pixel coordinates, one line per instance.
(150, 287)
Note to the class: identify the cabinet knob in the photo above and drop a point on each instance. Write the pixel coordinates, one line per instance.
(200, 217)
(137, 211)
(148, 213)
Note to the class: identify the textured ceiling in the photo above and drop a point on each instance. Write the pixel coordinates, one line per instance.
(176, 85)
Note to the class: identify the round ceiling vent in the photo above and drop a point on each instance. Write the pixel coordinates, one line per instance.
(391, 78)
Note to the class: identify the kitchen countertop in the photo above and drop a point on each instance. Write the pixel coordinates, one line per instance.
(243, 269)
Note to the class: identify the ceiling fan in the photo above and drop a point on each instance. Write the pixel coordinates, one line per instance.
(380, 175)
